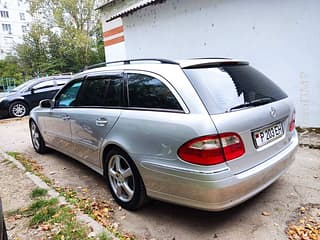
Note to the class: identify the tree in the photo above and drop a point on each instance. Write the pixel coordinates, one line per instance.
(66, 37)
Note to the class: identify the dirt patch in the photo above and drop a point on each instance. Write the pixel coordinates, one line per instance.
(15, 187)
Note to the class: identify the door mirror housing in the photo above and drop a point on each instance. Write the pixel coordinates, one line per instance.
(32, 90)
(47, 103)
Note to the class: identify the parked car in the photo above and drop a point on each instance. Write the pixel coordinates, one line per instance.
(3, 231)
(19, 101)
(205, 133)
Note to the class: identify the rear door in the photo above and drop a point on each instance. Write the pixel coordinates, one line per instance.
(242, 100)
(98, 109)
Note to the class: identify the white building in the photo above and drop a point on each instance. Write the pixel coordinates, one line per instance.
(14, 22)
(280, 38)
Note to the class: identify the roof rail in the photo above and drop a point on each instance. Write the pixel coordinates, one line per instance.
(129, 61)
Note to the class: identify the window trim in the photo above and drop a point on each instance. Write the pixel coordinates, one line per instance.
(184, 110)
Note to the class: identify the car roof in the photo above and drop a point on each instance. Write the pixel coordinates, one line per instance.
(145, 64)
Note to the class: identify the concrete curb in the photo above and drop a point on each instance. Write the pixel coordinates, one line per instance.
(96, 227)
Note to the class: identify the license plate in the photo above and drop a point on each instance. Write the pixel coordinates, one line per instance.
(268, 134)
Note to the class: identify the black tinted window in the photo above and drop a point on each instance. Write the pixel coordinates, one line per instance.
(148, 92)
(227, 87)
(102, 91)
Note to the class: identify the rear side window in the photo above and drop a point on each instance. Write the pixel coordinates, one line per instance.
(102, 91)
(225, 88)
(148, 92)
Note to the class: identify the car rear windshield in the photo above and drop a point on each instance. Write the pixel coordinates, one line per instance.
(233, 87)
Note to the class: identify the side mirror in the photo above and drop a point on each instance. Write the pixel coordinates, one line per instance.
(47, 103)
(32, 91)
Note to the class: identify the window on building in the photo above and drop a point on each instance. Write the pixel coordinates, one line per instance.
(4, 14)
(6, 27)
(22, 16)
(24, 28)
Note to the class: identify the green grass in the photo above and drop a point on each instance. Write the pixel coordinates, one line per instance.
(49, 212)
(104, 236)
(39, 192)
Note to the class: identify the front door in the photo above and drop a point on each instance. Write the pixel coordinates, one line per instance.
(40, 91)
(57, 130)
(98, 110)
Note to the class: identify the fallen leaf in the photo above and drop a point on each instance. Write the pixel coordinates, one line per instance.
(45, 227)
(265, 213)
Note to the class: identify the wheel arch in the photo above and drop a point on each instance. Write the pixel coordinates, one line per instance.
(113, 145)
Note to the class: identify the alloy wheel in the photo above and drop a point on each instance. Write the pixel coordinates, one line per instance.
(35, 136)
(19, 110)
(121, 178)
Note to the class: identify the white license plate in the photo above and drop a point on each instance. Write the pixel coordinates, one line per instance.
(268, 134)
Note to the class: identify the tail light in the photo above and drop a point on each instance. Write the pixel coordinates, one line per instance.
(213, 149)
(293, 121)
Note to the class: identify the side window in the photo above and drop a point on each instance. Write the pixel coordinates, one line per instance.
(43, 85)
(148, 92)
(102, 91)
(68, 95)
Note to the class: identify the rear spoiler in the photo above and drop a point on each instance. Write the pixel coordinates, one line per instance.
(215, 64)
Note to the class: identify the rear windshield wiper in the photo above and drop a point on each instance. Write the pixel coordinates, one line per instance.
(253, 103)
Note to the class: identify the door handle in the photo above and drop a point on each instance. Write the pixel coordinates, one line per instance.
(65, 117)
(100, 122)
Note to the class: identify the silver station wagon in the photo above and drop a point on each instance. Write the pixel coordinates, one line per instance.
(204, 133)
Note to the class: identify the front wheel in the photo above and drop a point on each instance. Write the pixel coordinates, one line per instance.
(124, 180)
(4, 233)
(18, 109)
(36, 138)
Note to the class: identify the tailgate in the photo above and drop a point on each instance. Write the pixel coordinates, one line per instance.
(264, 130)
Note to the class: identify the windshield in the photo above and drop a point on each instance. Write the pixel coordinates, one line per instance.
(21, 86)
(227, 88)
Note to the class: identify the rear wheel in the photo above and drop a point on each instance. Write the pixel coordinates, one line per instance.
(36, 138)
(18, 109)
(124, 180)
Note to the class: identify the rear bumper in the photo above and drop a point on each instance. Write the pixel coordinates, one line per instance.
(216, 195)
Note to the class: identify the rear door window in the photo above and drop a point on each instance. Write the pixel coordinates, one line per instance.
(148, 92)
(233, 87)
(102, 91)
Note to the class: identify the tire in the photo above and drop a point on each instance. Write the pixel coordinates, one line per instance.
(36, 138)
(124, 180)
(4, 233)
(18, 109)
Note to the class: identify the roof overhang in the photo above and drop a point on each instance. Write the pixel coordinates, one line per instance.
(118, 8)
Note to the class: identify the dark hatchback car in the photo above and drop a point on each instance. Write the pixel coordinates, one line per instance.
(26, 96)
(3, 231)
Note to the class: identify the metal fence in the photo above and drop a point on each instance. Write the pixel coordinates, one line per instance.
(7, 84)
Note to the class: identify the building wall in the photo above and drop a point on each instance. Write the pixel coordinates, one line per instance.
(280, 38)
(18, 24)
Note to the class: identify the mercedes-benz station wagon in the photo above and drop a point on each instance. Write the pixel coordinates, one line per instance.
(204, 133)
